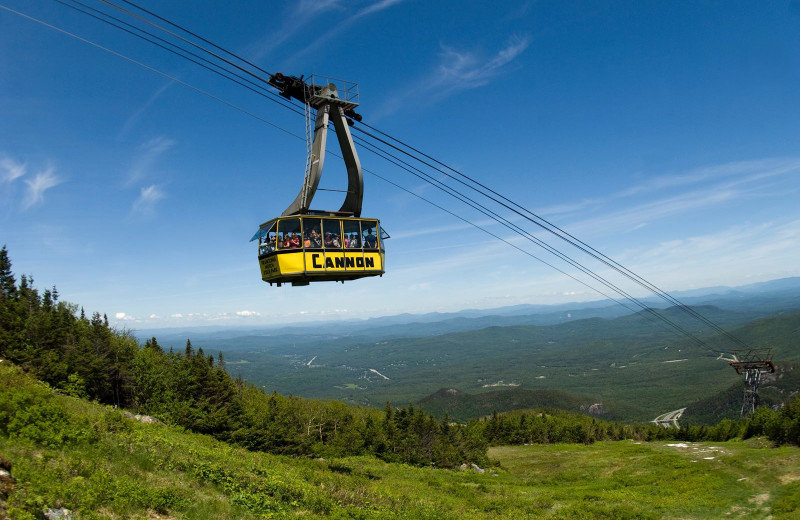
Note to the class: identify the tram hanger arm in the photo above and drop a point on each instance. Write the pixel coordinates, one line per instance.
(294, 87)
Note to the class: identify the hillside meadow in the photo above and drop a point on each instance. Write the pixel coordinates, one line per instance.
(91, 459)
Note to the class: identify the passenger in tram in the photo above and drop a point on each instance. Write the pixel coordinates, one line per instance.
(335, 240)
(328, 240)
(370, 242)
(307, 241)
(295, 241)
(354, 241)
(316, 240)
(346, 241)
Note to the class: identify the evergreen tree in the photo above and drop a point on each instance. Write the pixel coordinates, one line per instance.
(8, 286)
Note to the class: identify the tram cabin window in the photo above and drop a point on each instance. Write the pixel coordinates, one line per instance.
(369, 233)
(312, 236)
(289, 234)
(352, 232)
(266, 242)
(332, 233)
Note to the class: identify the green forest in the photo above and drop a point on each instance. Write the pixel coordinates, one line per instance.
(82, 358)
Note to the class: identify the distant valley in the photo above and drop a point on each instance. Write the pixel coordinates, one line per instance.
(596, 358)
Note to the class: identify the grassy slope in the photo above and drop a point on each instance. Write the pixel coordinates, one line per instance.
(105, 466)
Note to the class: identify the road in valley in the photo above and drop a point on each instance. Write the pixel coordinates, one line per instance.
(669, 418)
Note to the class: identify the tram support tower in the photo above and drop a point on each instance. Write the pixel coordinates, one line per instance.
(753, 363)
(334, 101)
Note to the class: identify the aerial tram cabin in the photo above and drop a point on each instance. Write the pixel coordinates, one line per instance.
(304, 245)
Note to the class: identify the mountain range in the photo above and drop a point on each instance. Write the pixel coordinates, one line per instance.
(596, 357)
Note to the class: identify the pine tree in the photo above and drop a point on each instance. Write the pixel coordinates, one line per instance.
(8, 286)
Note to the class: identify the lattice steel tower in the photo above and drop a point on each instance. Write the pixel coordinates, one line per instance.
(753, 363)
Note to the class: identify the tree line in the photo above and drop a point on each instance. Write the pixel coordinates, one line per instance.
(555, 426)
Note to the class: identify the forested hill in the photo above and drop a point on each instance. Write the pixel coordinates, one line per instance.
(83, 357)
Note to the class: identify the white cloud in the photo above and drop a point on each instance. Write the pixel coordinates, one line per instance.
(303, 12)
(461, 70)
(376, 7)
(248, 313)
(12, 169)
(148, 197)
(731, 256)
(41, 182)
(746, 171)
(457, 70)
(152, 151)
(343, 25)
(696, 190)
(123, 316)
(178, 315)
(134, 118)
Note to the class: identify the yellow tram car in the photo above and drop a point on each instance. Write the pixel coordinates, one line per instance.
(304, 249)
(304, 245)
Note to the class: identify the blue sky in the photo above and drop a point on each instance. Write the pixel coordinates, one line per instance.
(664, 134)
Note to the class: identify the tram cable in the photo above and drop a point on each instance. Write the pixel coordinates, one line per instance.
(175, 49)
(134, 15)
(539, 221)
(647, 310)
(558, 232)
(576, 242)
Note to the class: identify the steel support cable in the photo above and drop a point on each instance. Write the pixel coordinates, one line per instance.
(187, 31)
(223, 72)
(151, 69)
(553, 251)
(207, 64)
(380, 153)
(481, 228)
(510, 225)
(527, 235)
(140, 18)
(555, 230)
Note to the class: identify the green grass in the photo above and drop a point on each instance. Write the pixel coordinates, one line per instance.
(90, 459)
(655, 480)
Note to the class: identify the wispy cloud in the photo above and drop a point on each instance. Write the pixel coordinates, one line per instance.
(134, 118)
(459, 70)
(40, 183)
(151, 151)
(343, 25)
(183, 317)
(752, 170)
(11, 169)
(680, 193)
(302, 13)
(148, 197)
(456, 71)
(754, 252)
